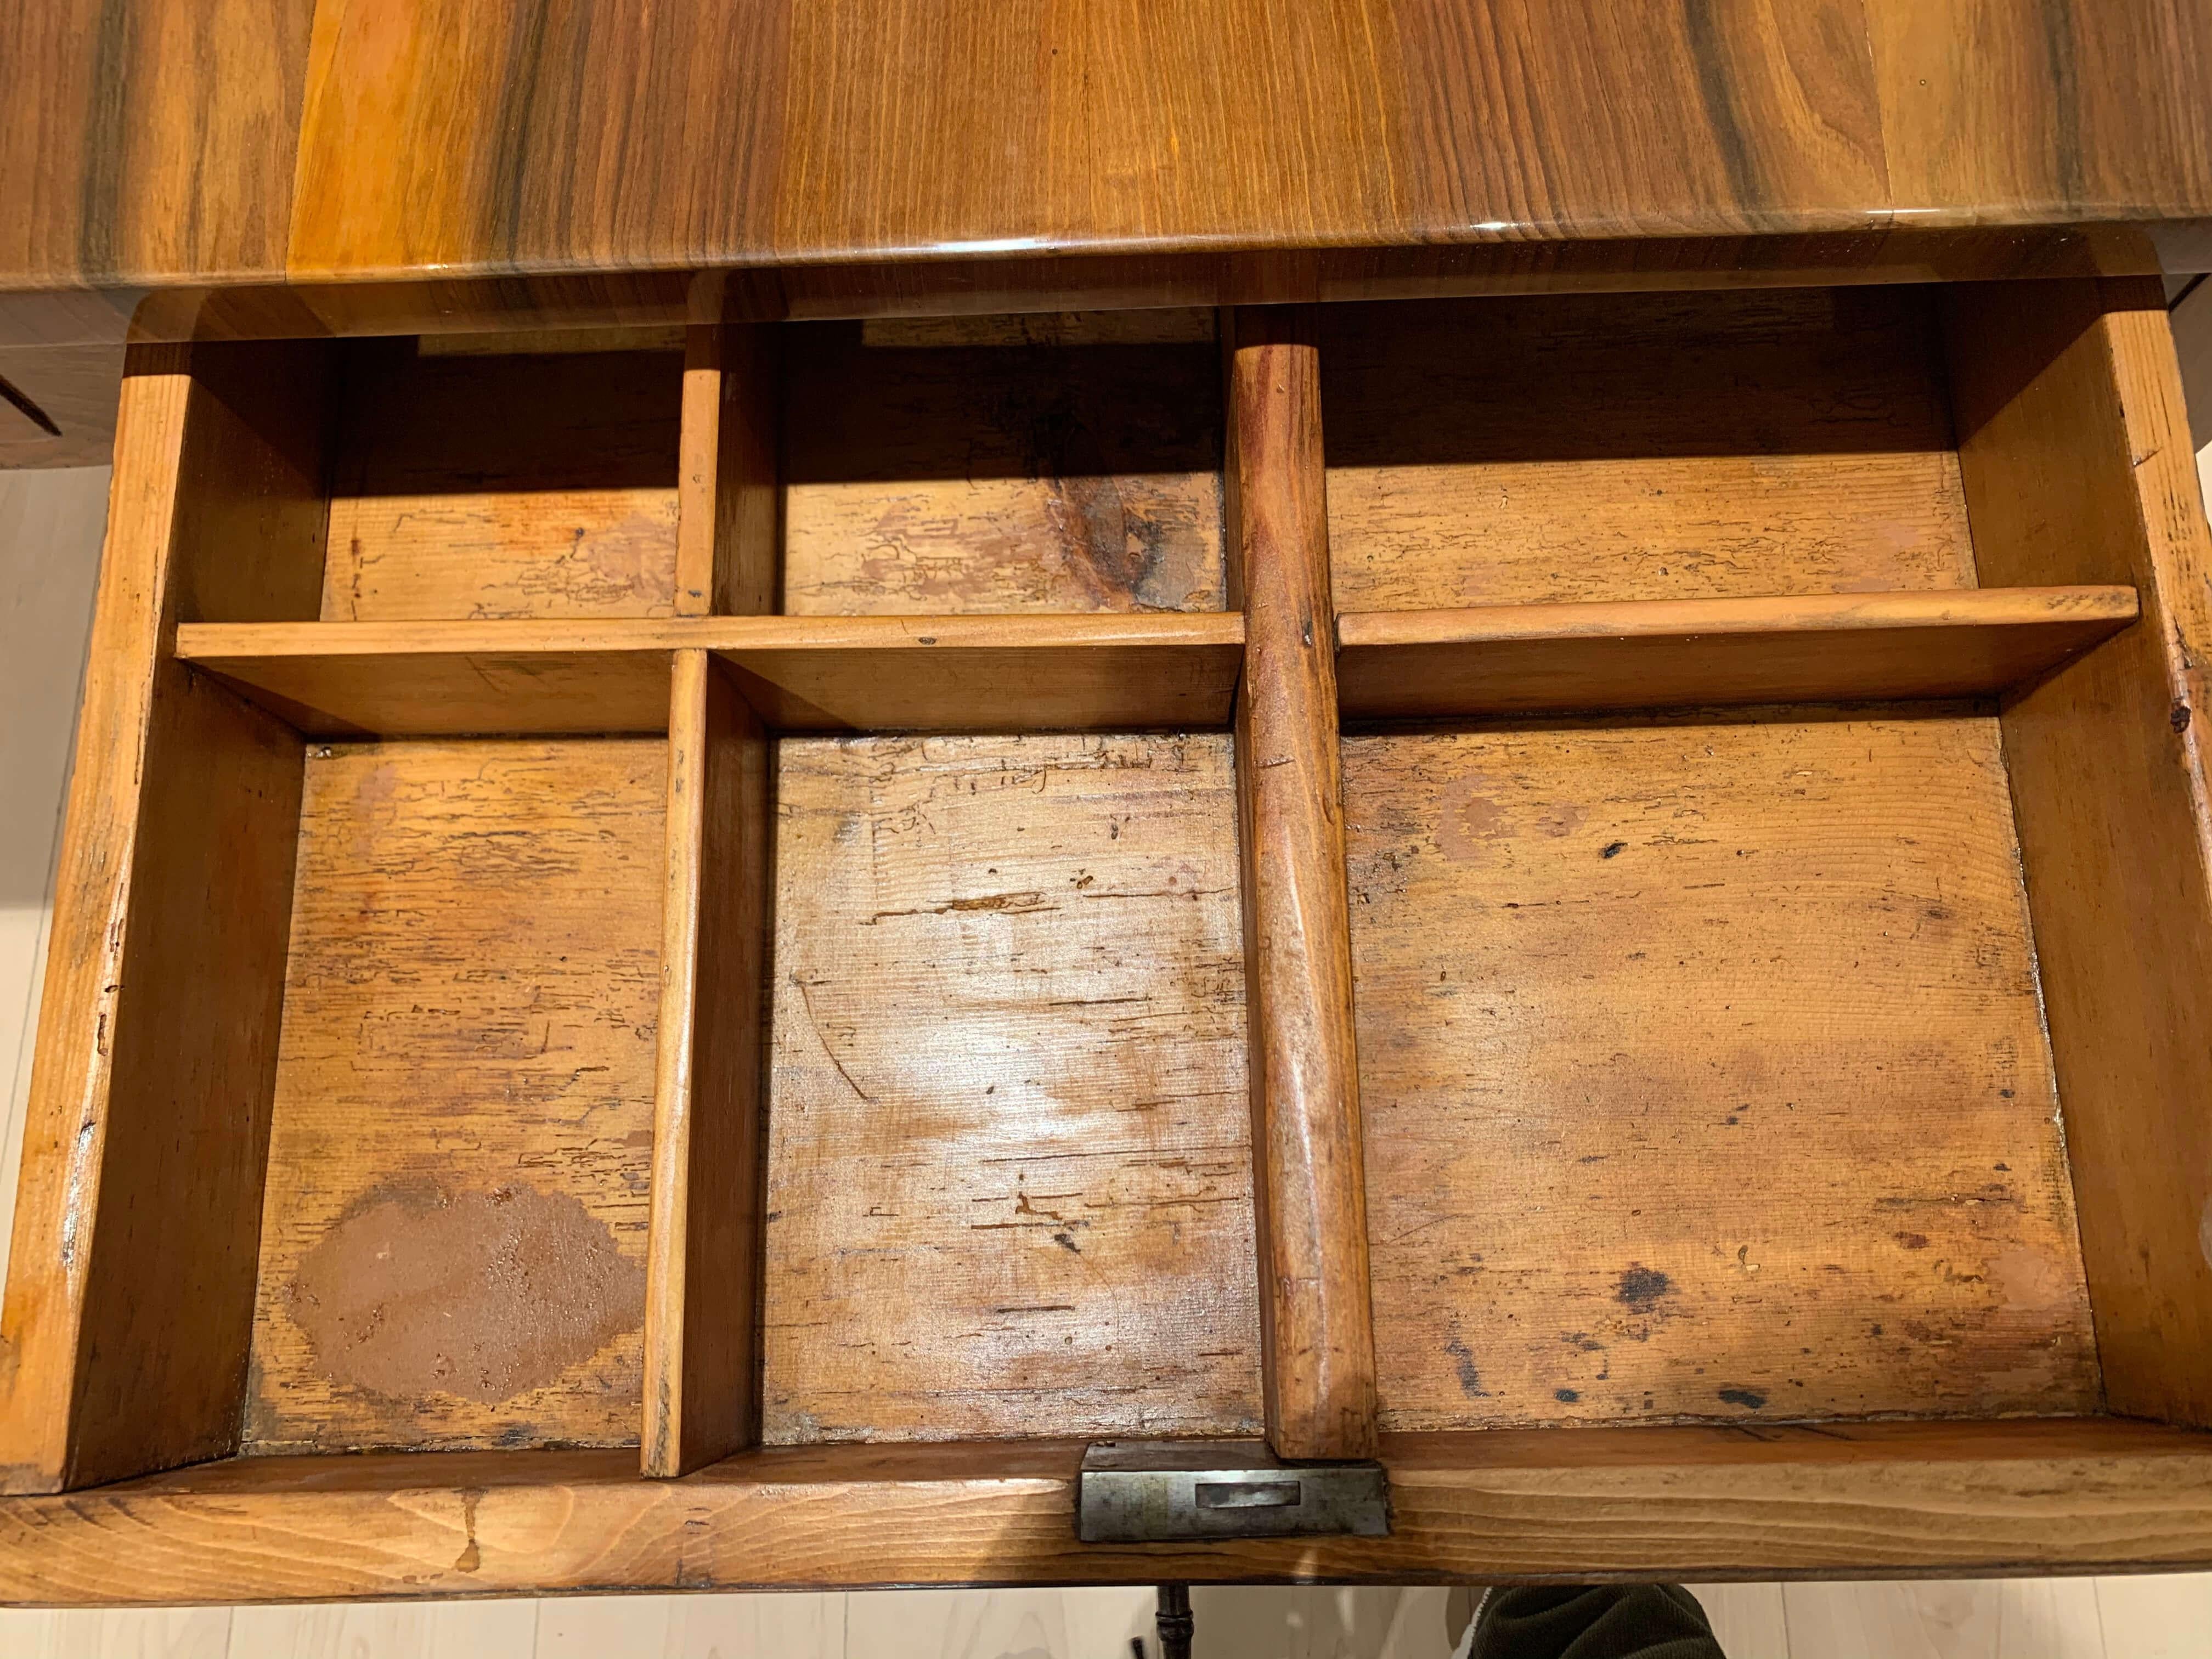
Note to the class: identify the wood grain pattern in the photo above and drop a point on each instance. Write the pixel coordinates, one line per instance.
(936, 479)
(150, 140)
(129, 1291)
(469, 1025)
(701, 1336)
(1103, 672)
(1009, 1186)
(1699, 1504)
(1648, 1135)
(730, 511)
(500, 487)
(1308, 1191)
(1655, 653)
(2077, 462)
(1638, 446)
(433, 142)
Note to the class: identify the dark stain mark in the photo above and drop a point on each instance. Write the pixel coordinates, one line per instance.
(1708, 41)
(1913, 1241)
(1565, 1396)
(484, 1295)
(470, 1557)
(2064, 102)
(2179, 717)
(1470, 1380)
(1641, 1287)
(1748, 1399)
(102, 146)
(1066, 1244)
(1614, 849)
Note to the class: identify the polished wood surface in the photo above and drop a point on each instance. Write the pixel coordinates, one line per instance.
(1308, 1194)
(1843, 1499)
(427, 142)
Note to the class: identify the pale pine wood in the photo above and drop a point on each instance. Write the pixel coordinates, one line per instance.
(985, 478)
(1639, 447)
(492, 487)
(1650, 1132)
(807, 674)
(1009, 1184)
(131, 1292)
(701, 1349)
(469, 1011)
(1308, 1196)
(1903, 1499)
(728, 505)
(2076, 458)
(1633, 653)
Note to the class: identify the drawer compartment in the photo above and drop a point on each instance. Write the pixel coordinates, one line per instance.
(453, 1229)
(714, 958)
(1704, 1075)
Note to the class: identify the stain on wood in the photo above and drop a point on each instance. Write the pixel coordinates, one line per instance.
(1705, 1077)
(979, 479)
(1639, 447)
(471, 487)
(470, 1007)
(1009, 1186)
(484, 1295)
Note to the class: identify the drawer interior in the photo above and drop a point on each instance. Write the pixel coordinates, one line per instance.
(770, 937)
(1704, 1074)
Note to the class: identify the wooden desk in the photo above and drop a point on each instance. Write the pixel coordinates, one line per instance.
(798, 788)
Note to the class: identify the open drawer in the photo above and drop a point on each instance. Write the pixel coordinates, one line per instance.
(687, 961)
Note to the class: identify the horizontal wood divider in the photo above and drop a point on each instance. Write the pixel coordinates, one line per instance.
(1643, 653)
(1885, 1499)
(997, 673)
(1308, 1189)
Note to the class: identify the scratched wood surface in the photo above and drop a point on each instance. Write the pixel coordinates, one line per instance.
(1639, 447)
(494, 486)
(922, 476)
(1704, 1076)
(455, 1232)
(1009, 1186)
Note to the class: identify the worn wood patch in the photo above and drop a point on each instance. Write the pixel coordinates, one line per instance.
(944, 479)
(463, 1100)
(1704, 1076)
(1638, 446)
(1009, 1187)
(520, 486)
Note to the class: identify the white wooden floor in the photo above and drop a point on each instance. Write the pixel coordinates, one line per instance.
(50, 527)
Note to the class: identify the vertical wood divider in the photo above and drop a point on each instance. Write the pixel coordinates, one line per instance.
(703, 1256)
(1309, 1191)
(702, 1259)
(130, 1288)
(2074, 454)
(728, 507)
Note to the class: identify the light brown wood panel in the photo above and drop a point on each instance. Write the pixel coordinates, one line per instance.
(821, 674)
(1652, 653)
(1009, 1184)
(129, 1292)
(1839, 1499)
(729, 509)
(1638, 446)
(2077, 464)
(990, 478)
(1308, 1191)
(453, 1240)
(1705, 1076)
(701, 1340)
(516, 486)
